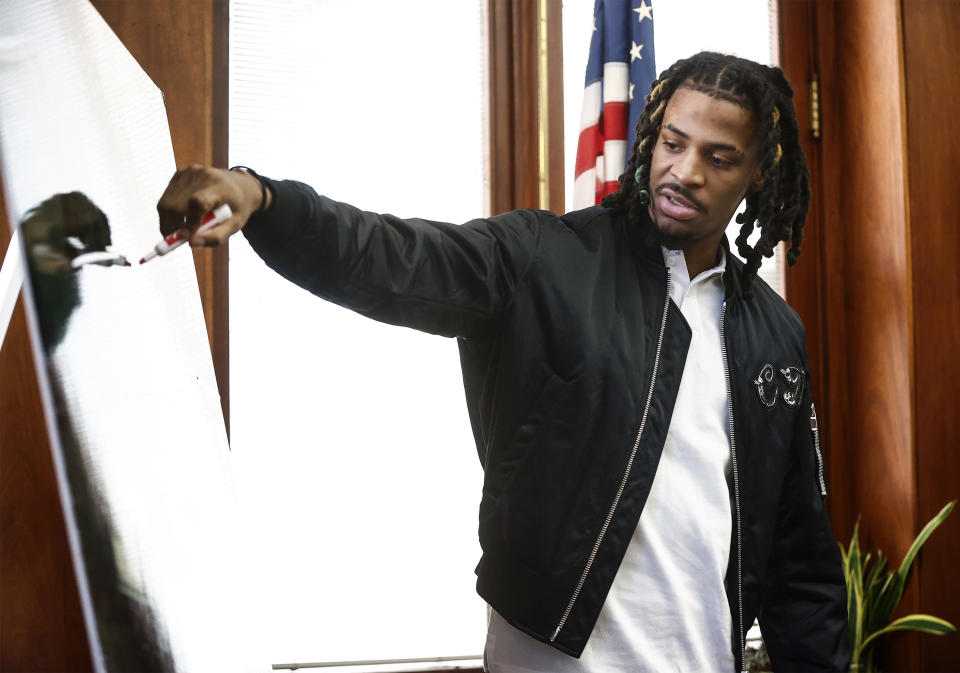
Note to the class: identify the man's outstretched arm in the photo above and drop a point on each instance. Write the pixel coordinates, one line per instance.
(433, 276)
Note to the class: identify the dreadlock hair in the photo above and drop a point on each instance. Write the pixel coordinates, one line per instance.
(779, 207)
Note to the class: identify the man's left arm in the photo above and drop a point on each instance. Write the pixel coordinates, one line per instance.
(803, 613)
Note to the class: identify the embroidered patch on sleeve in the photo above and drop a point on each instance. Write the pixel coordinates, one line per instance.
(769, 390)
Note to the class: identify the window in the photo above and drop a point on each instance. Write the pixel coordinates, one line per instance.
(351, 439)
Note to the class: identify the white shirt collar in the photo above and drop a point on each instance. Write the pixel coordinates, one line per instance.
(680, 276)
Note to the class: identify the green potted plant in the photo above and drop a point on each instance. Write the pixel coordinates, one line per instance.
(873, 593)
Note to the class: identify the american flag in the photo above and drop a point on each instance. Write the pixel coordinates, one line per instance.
(620, 70)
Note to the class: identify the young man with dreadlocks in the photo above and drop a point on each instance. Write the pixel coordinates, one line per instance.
(640, 400)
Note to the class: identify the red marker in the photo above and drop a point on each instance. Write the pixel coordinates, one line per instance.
(174, 241)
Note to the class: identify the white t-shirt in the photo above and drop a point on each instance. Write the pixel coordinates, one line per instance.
(667, 609)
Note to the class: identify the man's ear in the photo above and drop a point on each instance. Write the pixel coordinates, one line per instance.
(757, 184)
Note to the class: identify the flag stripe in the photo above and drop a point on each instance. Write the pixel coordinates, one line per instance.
(614, 90)
(614, 159)
(585, 187)
(592, 105)
(616, 82)
(589, 148)
(615, 121)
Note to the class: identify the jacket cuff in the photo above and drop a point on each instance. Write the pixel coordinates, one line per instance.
(289, 211)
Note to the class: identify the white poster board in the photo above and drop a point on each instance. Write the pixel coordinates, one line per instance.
(127, 382)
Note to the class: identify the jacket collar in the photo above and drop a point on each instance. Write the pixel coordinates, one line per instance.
(731, 276)
(645, 246)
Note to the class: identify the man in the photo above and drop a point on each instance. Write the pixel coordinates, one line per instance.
(640, 401)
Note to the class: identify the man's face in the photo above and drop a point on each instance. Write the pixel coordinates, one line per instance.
(703, 164)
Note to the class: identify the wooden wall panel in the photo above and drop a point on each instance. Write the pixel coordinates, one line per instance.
(806, 281)
(796, 41)
(868, 277)
(853, 284)
(932, 69)
(832, 315)
(882, 294)
(866, 182)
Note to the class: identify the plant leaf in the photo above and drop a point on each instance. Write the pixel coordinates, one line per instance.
(874, 592)
(878, 567)
(897, 586)
(886, 601)
(922, 538)
(855, 545)
(851, 559)
(922, 623)
(876, 581)
(855, 616)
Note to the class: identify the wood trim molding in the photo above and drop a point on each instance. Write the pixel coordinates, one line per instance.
(550, 76)
(804, 282)
(519, 93)
(218, 297)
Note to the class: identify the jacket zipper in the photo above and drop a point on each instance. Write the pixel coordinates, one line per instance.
(736, 479)
(626, 474)
(815, 426)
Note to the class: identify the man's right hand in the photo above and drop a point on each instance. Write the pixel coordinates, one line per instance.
(196, 190)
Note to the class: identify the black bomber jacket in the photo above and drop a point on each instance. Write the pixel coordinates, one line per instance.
(572, 353)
